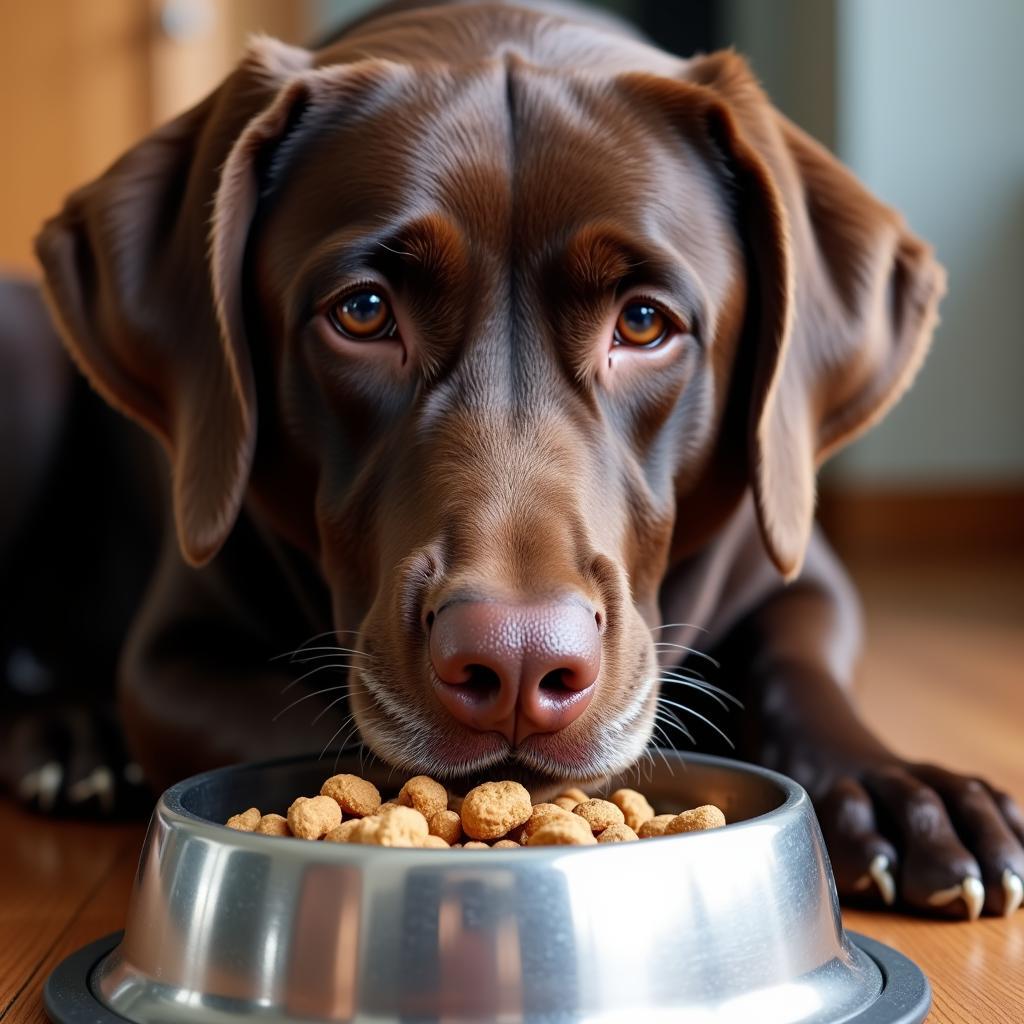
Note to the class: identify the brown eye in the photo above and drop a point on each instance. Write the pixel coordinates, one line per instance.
(362, 315)
(640, 323)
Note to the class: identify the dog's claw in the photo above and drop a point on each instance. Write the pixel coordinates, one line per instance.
(99, 783)
(42, 785)
(1013, 892)
(883, 878)
(970, 890)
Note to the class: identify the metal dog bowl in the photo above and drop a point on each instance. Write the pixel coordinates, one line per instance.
(735, 925)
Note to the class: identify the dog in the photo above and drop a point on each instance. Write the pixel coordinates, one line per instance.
(494, 352)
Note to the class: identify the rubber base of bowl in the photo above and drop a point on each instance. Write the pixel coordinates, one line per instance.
(905, 998)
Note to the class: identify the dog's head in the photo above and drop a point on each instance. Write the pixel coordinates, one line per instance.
(519, 338)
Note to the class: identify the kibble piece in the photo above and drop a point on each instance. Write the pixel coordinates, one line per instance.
(505, 844)
(400, 826)
(559, 831)
(696, 820)
(617, 834)
(246, 821)
(353, 794)
(494, 808)
(474, 845)
(575, 793)
(447, 825)
(273, 825)
(654, 826)
(343, 832)
(387, 805)
(539, 814)
(313, 817)
(567, 803)
(426, 795)
(634, 806)
(599, 814)
(434, 842)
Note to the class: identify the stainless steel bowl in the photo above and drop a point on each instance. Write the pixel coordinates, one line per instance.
(739, 924)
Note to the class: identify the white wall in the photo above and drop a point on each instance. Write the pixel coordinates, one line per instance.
(929, 111)
(931, 116)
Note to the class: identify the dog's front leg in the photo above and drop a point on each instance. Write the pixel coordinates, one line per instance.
(224, 664)
(913, 833)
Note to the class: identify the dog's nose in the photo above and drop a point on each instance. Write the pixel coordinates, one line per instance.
(515, 669)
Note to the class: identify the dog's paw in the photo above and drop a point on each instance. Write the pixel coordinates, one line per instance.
(925, 838)
(70, 761)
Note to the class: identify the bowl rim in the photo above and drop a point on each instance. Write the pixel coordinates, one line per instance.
(171, 808)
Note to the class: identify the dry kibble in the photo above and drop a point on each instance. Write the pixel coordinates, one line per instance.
(426, 795)
(575, 793)
(273, 825)
(492, 816)
(353, 794)
(617, 834)
(433, 842)
(313, 817)
(491, 810)
(654, 826)
(343, 833)
(696, 820)
(246, 821)
(634, 806)
(562, 831)
(539, 814)
(599, 814)
(447, 825)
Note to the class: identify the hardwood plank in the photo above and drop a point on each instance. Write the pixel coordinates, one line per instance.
(48, 872)
(101, 913)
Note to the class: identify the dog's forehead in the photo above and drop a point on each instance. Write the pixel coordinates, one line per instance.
(519, 158)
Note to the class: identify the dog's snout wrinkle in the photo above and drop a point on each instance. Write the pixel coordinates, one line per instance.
(515, 669)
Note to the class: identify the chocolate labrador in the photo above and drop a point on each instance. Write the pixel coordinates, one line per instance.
(494, 352)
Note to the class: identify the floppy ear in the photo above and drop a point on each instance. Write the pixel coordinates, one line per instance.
(157, 329)
(844, 297)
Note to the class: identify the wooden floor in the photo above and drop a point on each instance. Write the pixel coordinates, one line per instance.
(943, 679)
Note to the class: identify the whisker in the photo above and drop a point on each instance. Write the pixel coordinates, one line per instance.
(707, 690)
(700, 689)
(697, 714)
(313, 639)
(672, 625)
(308, 696)
(327, 745)
(330, 648)
(674, 720)
(313, 671)
(691, 650)
(660, 752)
(702, 684)
(337, 700)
